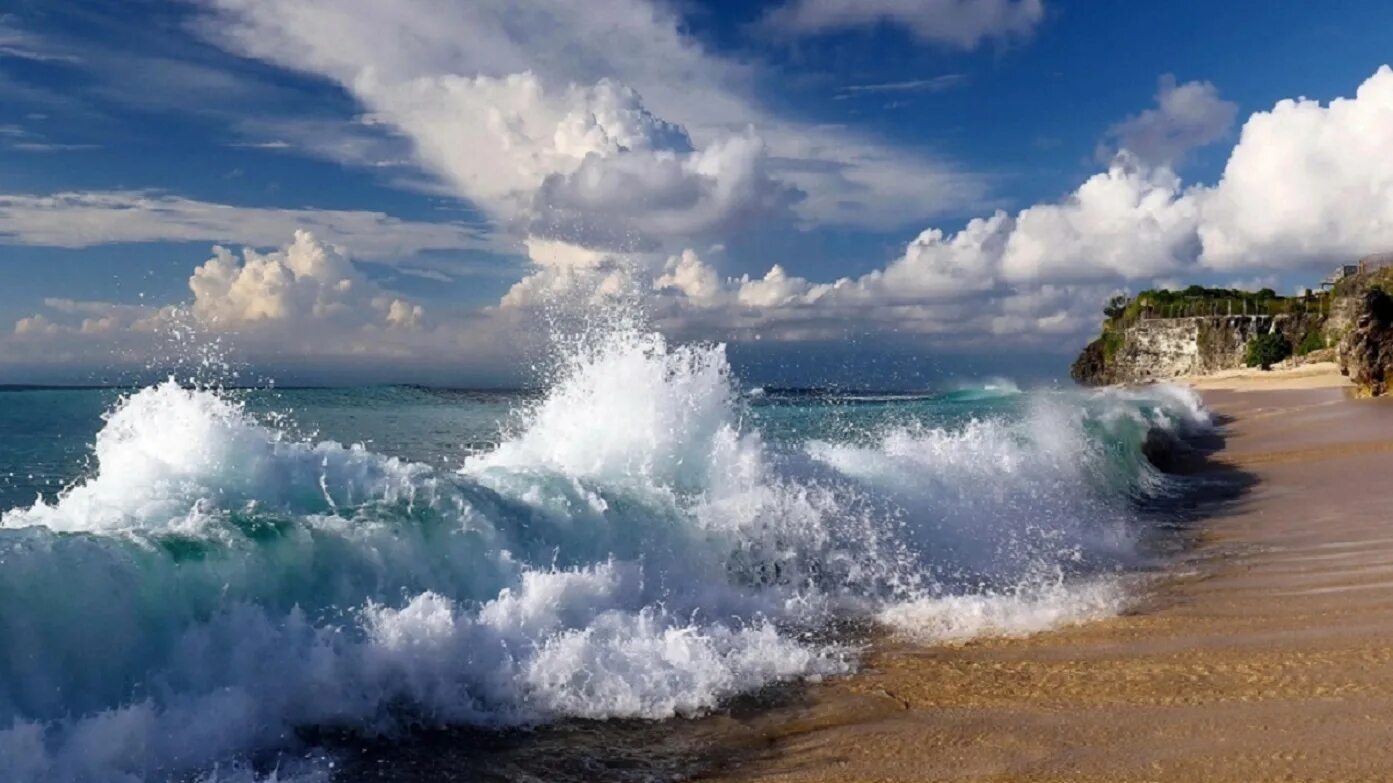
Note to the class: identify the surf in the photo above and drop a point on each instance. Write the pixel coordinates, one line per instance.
(635, 546)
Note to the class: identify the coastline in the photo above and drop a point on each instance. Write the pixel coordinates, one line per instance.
(1265, 653)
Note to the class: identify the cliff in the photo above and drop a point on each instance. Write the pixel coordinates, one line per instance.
(1155, 336)
(1164, 348)
(1363, 325)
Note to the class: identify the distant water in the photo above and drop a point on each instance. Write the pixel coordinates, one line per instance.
(195, 584)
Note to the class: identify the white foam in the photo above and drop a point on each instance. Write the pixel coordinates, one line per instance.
(993, 501)
(955, 619)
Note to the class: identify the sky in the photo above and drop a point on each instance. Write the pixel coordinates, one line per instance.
(864, 192)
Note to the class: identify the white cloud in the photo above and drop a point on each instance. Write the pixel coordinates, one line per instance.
(306, 289)
(35, 324)
(85, 219)
(305, 302)
(617, 201)
(1307, 183)
(588, 163)
(693, 280)
(497, 96)
(24, 45)
(1128, 222)
(46, 146)
(963, 24)
(305, 283)
(946, 81)
(567, 274)
(614, 143)
(273, 144)
(497, 140)
(1187, 116)
(358, 142)
(932, 289)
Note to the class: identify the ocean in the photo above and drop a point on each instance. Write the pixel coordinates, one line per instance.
(250, 585)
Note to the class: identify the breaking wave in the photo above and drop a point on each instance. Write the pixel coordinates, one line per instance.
(634, 547)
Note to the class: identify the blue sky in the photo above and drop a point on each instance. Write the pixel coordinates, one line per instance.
(469, 164)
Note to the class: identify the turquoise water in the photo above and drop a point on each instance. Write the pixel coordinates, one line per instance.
(195, 580)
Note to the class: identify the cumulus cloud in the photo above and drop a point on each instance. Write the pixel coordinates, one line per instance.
(962, 24)
(307, 288)
(85, 219)
(498, 139)
(615, 145)
(586, 162)
(565, 274)
(1035, 272)
(1306, 183)
(303, 303)
(1187, 116)
(499, 97)
(935, 288)
(659, 194)
(1128, 222)
(306, 283)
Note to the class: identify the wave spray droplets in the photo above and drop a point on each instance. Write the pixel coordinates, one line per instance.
(636, 547)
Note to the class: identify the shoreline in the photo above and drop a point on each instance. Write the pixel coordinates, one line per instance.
(1265, 653)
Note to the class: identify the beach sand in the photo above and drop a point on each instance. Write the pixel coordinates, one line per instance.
(1320, 375)
(1265, 654)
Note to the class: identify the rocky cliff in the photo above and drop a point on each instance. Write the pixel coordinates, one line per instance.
(1365, 351)
(1144, 341)
(1164, 348)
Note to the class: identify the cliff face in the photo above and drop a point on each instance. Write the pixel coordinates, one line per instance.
(1164, 348)
(1365, 352)
(1356, 317)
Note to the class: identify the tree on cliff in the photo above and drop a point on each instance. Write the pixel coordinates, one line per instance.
(1266, 350)
(1116, 306)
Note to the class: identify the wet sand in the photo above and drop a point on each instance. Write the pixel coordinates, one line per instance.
(1265, 654)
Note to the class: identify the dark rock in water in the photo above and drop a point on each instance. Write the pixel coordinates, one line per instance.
(1366, 352)
(1167, 452)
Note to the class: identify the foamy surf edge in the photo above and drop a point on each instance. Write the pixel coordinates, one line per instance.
(959, 619)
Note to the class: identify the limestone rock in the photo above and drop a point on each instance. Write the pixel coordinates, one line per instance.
(1366, 352)
(1166, 348)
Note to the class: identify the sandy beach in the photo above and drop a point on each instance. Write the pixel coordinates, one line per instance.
(1265, 654)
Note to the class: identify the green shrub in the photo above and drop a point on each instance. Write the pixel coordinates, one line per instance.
(1313, 341)
(1266, 350)
(1112, 343)
(1200, 301)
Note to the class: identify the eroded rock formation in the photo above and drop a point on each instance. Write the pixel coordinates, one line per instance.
(1366, 352)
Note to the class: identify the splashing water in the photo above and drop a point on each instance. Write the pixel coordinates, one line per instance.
(635, 546)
